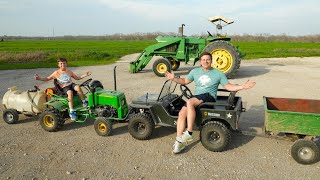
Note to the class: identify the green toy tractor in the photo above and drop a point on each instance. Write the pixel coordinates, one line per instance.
(174, 49)
(104, 106)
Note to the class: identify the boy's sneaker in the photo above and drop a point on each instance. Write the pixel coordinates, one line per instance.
(185, 137)
(73, 116)
(85, 103)
(178, 147)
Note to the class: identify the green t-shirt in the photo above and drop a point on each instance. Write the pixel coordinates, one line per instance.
(207, 81)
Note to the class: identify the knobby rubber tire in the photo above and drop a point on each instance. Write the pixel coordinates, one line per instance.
(51, 120)
(215, 136)
(141, 126)
(103, 126)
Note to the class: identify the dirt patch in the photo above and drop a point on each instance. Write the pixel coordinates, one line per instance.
(77, 152)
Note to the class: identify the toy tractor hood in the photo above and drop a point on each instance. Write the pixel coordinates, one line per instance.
(220, 18)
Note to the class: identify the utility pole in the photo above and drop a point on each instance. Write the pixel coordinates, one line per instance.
(53, 33)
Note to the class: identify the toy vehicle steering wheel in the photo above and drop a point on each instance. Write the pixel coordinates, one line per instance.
(86, 83)
(209, 34)
(186, 91)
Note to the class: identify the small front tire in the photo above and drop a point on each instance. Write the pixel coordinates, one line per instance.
(305, 152)
(10, 116)
(103, 126)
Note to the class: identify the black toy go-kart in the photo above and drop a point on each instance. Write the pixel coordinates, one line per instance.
(215, 120)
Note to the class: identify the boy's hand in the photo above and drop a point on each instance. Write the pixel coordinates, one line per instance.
(169, 75)
(36, 77)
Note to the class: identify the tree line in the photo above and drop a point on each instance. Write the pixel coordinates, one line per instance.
(153, 35)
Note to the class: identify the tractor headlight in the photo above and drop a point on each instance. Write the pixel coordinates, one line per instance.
(123, 102)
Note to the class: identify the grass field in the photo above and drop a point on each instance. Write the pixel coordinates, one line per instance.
(42, 53)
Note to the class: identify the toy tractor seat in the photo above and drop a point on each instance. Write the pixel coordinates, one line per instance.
(59, 90)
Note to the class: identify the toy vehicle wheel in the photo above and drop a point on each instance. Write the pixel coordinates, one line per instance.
(103, 126)
(225, 57)
(50, 121)
(10, 116)
(141, 126)
(215, 136)
(161, 66)
(305, 151)
(174, 64)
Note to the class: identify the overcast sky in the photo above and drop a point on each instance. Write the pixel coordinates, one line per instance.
(101, 17)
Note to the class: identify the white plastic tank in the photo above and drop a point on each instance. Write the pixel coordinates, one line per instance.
(26, 102)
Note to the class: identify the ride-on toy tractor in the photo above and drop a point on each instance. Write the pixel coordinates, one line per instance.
(174, 49)
(104, 106)
(215, 120)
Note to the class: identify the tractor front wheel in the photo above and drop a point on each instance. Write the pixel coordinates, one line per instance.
(51, 120)
(161, 66)
(215, 136)
(140, 126)
(225, 57)
(10, 116)
(305, 151)
(175, 64)
(103, 126)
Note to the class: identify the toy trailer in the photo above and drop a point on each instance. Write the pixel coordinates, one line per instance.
(299, 118)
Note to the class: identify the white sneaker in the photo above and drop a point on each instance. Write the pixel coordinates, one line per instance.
(185, 137)
(178, 147)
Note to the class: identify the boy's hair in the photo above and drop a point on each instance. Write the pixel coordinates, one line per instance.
(62, 60)
(205, 53)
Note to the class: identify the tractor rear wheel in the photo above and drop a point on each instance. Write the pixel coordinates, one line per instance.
(225, 57)
(103, 126)
(305, 151)
(51, 120)
(10, 116)
(141, 126)
(161, 66)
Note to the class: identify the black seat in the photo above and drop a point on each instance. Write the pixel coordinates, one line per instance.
(229, 105)
(59, 90)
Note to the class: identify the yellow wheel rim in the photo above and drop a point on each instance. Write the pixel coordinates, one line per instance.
(162, 68)
(174, 64)
(48, 121)
(102, 127)
(221, 60)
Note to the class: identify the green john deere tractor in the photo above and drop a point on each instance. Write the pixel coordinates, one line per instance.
(174, 49)
(104, 107)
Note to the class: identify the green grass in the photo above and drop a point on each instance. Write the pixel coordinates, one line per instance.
(21, 54)
(35, 54)
(254, 50)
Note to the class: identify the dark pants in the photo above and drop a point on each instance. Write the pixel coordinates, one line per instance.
(206, 97)
(69, 87)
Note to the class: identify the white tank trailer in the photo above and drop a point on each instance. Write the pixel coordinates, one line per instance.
(17, 102)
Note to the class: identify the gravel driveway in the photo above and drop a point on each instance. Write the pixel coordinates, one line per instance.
(77, 152)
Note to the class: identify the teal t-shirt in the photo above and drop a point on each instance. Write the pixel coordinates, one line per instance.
(207, 81)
